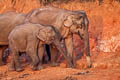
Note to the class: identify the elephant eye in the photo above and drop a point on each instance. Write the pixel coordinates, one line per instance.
(53, 38)
(79, 17)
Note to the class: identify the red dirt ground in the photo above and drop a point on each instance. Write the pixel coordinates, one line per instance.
(105, 52)
(105, 67)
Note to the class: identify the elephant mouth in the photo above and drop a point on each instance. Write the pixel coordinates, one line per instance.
(80, 35)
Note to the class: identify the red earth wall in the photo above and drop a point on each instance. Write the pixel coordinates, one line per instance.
(104, 28)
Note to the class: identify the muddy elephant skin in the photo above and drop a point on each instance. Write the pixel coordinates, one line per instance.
(67, 23)
(31, 38)
(8, 21)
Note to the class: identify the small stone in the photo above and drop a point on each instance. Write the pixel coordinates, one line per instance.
(24, 75)
(9, 78)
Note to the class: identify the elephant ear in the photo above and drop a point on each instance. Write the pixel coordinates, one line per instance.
(46, 34)
(41, 35)
(68, 22)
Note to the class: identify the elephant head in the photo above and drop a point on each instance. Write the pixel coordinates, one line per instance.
(46, 35)
(50, 35)
(77, 22)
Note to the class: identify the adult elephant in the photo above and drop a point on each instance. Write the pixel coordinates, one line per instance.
(8, 21)
(67, 22)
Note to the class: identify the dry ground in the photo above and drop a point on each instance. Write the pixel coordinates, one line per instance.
(105, 67)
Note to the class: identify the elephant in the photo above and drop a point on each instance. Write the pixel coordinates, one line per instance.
(8, 21)
(67, 23)
(30, 38)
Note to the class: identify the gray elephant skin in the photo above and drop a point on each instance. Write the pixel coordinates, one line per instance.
(30, 38)
(67, 23)
(8, 21)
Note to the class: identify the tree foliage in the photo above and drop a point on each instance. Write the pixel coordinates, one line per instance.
(82, 1)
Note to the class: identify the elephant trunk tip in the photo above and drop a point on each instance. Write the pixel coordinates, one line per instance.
(89, 61)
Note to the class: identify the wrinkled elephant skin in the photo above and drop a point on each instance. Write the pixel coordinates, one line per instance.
(7, 23)
(31, 38)
(66, 22)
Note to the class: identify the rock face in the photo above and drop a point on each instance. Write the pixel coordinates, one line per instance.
(104, 20)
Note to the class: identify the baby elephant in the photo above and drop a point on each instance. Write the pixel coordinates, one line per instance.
(30, 38)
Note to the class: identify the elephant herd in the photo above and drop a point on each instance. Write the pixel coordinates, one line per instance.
(47, 25)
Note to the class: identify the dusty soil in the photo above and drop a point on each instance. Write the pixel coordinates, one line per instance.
(106, 66)
(104, 32)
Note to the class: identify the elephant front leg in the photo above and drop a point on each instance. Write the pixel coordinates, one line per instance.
(41, 51)
(53, 52)
(69, 47)
(35, 59)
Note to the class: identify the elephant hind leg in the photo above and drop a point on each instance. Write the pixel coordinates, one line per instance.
(15, 61)
(11, 66)
(2, 49)
(1, 55)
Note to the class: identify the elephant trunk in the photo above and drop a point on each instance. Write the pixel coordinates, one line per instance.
(85, 37)
(87, 47)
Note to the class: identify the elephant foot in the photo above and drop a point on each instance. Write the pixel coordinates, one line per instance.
(70, 66)
(40, 67)
(19, 69)
(54, 64)
(34, 68)
(2, 63)
(11, 68)
(89, 61)
(89, 66)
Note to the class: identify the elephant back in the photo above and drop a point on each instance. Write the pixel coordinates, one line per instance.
(49, 16)
(8, 21)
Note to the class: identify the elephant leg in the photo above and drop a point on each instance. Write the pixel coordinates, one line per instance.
(17, 62)
(47, 55)
(69, 47)
(41, 51)
(87, 47)
(2, 49)
(53, 52)
(31, 50)
(1, 57)
(35, 60)
(11, 66)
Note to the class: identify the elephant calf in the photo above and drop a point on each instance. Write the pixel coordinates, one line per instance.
(30, 38)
